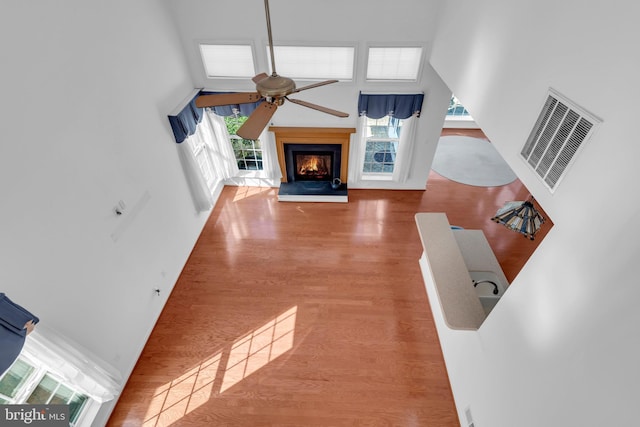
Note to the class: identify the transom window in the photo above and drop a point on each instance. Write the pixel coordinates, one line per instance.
(394, 63)
(314, 62)
(227, 60)
(382, 139)
(28, 382)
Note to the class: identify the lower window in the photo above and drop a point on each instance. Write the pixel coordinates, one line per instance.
(31, 383)
(248, 152)
(380, 156)
(456, 109)
(381, 146)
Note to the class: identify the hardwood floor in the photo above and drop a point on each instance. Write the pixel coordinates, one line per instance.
(310, 314)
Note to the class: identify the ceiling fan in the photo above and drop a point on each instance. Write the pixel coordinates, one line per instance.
(273, 89)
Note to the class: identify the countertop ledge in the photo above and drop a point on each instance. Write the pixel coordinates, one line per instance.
(451, 254)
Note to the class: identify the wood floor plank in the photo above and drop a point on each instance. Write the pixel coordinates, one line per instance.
(310, 314)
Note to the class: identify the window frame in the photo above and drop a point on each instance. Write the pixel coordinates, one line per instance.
(89, 408)
(455, 103)
(246, 43)
(253, 149)
(20, 394)
(380, 176)
(245, 173)
(419, 71)
(293, 76)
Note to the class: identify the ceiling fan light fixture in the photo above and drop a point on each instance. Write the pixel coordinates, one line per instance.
(275, 86)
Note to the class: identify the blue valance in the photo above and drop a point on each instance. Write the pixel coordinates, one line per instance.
(12, 332)
(228, 110)
(397, 106)
(185, 122)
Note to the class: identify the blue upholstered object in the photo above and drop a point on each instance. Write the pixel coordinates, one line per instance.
(12, 332)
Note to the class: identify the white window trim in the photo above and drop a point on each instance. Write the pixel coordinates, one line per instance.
(201, 153)
(421, 65)
(402, 163)
(198, 43)
(90, 408)
(380, 176)
(310, 44)
(377, 176)
(248, 173)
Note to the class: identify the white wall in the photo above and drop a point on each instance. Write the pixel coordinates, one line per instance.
(86, 88)
(332, 22)
(561, 348)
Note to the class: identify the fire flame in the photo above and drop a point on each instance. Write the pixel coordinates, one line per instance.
(312, 165)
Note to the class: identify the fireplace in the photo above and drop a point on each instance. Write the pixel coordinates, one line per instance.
(312, 162)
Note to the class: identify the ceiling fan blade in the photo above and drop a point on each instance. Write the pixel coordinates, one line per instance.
(319, 108)
(226, 99)
(259, 77)
(257, 121)
(326, 82)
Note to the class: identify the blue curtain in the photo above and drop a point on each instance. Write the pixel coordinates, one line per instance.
(185, 122)
(12, 331)
(227, 110)
(396, 106)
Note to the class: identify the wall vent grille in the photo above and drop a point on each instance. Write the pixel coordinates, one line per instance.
(559, 132)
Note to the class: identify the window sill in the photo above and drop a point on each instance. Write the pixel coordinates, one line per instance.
(377, 177)
(251, 174)
(460, 122)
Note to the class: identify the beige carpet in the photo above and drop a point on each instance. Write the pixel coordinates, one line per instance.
(471, 161)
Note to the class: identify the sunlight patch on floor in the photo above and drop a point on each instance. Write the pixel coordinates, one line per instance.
(182, 395)
(256, 349)
(247, 354)
(244, 192)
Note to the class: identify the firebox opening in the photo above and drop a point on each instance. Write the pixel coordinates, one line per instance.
(313, 166)
(312, 162)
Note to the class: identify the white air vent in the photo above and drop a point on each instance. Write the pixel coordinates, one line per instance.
(561, 129)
